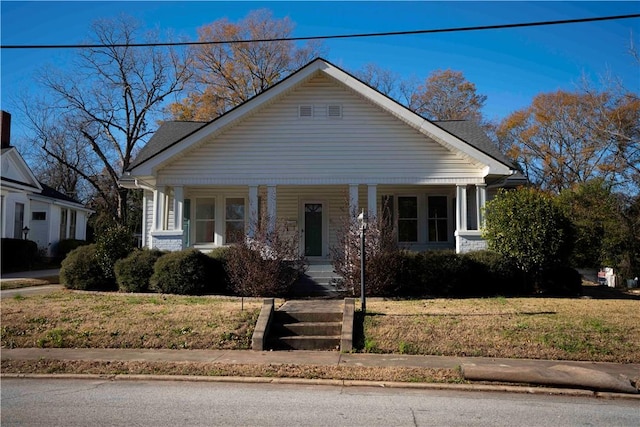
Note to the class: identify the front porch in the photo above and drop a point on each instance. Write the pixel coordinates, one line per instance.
(426, 216)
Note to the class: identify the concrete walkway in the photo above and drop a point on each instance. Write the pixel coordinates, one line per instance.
(596, 376)
(35, 274)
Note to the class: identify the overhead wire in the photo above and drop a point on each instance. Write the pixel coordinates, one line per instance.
(330, 37)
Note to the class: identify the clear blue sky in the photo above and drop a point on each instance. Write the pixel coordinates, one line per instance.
(509, 66)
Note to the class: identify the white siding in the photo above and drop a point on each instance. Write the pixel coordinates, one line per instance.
(147, 218)
(275, 145)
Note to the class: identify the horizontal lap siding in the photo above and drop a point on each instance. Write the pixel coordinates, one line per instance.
(275, 143)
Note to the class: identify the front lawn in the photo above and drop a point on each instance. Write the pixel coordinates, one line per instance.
(549, 328)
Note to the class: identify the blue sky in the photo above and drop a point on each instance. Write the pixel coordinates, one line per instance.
(509, 66)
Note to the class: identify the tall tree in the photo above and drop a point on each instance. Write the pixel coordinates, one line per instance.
(227, 74)
(448, 95)
(565, 138)
(104, 105)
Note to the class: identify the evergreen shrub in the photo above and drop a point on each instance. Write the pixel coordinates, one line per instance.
(81, 271)
(134, 271)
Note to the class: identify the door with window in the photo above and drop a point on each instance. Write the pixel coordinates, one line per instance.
(313, 229)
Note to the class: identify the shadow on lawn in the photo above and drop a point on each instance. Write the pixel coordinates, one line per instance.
(605, 292)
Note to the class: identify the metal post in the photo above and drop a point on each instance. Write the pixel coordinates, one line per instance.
(363, 226)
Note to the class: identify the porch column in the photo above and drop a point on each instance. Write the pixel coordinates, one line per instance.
(461, 207)
(481, 199)
(353, 199)
(271, 208)
(178, 207)
(372, 201)
(158, 208)
(253, 211)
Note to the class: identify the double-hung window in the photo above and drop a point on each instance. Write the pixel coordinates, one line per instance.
(407, 219)
(437, 219)
(234, 220)
(205, 220)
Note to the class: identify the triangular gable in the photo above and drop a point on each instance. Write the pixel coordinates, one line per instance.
(16, 173)
(492, 166)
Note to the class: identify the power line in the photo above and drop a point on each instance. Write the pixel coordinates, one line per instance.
(338, 36)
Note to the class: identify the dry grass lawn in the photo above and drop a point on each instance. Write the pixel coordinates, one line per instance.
(118, 320)
(549, 328)
(605, 330)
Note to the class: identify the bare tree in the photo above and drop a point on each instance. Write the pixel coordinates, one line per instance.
(105, 103)
(447, 95)
(227, 74)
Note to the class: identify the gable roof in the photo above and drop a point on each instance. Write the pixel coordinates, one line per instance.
(16, 173)
(173, 137)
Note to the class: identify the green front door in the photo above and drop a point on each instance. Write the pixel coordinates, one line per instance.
(313, 229)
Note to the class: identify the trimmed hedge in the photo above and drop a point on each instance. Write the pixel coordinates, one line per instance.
(134, 272)
(18, 254)
(475, 274)
(80, 270)
(187, 272)
(63, 247)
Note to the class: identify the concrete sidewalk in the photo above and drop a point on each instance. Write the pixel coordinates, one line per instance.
(597, 376)
(34, 274)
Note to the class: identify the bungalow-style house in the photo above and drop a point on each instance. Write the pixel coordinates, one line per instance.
(32, 210)
(309, 150)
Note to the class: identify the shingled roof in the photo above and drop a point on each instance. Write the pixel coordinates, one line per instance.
(167, 134)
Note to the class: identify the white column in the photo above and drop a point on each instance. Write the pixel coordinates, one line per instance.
(271, 208)
(481, 199)
(372, 201)
(353, 199)
(178, 207)
(253, 211)
(461, 207)
(158, 208)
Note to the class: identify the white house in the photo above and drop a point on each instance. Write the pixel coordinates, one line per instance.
(309, 150)
(30, 209)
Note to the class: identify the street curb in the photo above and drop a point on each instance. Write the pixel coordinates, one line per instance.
(334, 383)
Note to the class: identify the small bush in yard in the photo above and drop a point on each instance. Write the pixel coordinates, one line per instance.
(188, 272)
(81, 271)
(67, 245)
(495, 274)
(134, 271)
(559, 281)
(18, 254)
(113, 244)
(266, 265)
(443, 273)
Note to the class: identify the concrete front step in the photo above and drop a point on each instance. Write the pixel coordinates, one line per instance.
(309, 329)
(308, 342)
(284, 317)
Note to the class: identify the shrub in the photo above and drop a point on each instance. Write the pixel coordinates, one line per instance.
(188, 272)
(443, 273)
(63, 247)
(18, 254)
(114, 243)
(81, 271)
(266, 265)
(495, 274)
(558, 281)
(134, 271)
(385, 261)
(528, 227)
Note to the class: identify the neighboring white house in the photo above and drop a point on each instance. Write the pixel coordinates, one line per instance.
(309, 150)
(32, 210)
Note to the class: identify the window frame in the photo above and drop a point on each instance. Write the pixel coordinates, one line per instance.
(444, 219)
(415, 219)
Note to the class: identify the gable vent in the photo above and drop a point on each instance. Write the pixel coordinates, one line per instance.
(305, 111)
(334, 111)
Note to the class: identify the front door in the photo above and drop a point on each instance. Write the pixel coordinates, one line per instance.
(313, 229)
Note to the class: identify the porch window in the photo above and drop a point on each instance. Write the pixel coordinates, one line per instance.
(408, 219)
(235, 215)
(205, 220)
(72, 224)
(63, 223)
(437, 219)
